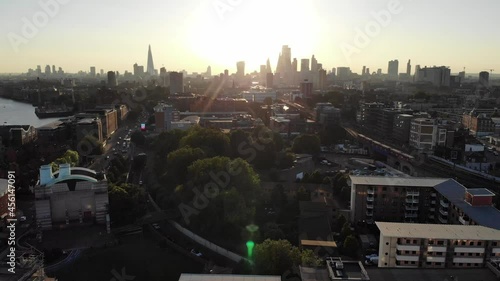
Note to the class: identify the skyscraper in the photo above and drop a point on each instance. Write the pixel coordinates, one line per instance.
(304, 65)
(47, 70)
(408, 68)
(268, 67)
(363, 72)
(286, 53)
(92, 71)
(112, 79)
(163, 76)
(314, 64)
(393, 69)
(151, 66)
(53, 69)
(209, 71)
(240, 69)
(176, 83)
(269, 80)
(484, 79)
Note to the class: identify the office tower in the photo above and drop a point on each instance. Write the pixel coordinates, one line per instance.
(367, 71)
(334, 71)
(240, 69)
(295, 65)
(304, 65)
(226, 73)
(47, 70)
(379, 71)
(151, 66)
(102, 72)
(417, 70)
(268, 67)
(306, 88)
(484, 79)
(320, 66)
(343, 73)
(209, 71)
(364, 70)
(163, 76)
(393, 69)
(60, 71)
(176, 83)
(314, 64)
(53, 69)
(286, 53)
(112, 82)
(269, 80)
(38, 70)
(163, 117)
(263, 72)
(322, 79)
(92, 71)
(461, 74)
(408, 68)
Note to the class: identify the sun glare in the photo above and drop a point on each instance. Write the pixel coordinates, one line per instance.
(254, 32)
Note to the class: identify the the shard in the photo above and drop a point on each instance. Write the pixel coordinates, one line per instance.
(151, 66)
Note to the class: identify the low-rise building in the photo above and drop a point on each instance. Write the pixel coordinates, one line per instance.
(425, 134)
(436, 246)
(70, 195)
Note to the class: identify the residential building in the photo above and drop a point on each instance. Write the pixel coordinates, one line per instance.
(112, 81)
(393, 69)
(401, 128)
(425, 134)
(18, 135)
(109, 120)
(327, 114)
(385, 120)
(437, 76)
(479, 124)
(306, 88)
(436, 246)
(176, 83)
(163, 117)
(423, 200)
(72, 195)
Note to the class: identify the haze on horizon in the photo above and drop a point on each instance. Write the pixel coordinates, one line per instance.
(192, 35)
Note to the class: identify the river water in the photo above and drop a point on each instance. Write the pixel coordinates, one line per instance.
(18, 113)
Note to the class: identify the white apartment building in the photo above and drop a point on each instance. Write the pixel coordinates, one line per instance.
(425, 134)
(436, 245)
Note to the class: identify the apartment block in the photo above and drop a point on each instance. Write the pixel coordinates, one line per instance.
(436, 246)
(422, 200)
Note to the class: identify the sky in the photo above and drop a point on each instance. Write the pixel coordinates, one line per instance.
(191, 35)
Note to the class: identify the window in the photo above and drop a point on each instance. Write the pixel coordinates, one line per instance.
(384, 188)
(463, 243)
(396, 189)
(441, 242)
(438, 263)
(386, 253)
(472, 243)
(414, 241)
(387, 243)
(479, 243)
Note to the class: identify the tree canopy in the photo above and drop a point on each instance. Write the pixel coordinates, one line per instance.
(138, 138)
(212, 141)
(69, 157)
(309, 144)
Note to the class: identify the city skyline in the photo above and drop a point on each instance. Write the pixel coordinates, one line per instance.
(199, 34)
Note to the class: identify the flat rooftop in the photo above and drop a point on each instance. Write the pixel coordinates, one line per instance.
(437, 231)
(318, 243)
(428, 274)
(217, 277)
(397, 181)
(480, 192)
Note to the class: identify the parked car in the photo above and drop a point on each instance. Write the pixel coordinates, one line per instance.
(196, 253)
(156, 226)
(23, 218)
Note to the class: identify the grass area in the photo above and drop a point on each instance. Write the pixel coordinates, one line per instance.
(141, 258)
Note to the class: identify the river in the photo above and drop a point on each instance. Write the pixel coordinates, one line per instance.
(18, 113)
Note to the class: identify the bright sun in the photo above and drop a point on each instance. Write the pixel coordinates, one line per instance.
(253, 31)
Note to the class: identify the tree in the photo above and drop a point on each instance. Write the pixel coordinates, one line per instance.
(179, 160)
(138, 138)
(278, 196)
(239, 141)
(303, 194)
(126, 203)
(346, 231)
(341, 221)
(274, 257)
(69, 157)
(212, 141)
(285, 160)
(309, 144)
(350, 246)
(272, 231)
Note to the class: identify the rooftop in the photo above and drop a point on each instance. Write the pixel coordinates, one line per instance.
(480, 192)
(430, 274)
(216, 277)
(437, 231)
(397, 181)
(454, 192)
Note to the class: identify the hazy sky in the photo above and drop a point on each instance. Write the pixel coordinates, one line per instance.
(189, 34)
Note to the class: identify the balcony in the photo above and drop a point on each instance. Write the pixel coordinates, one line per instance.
(443, 212)
(411, 208)
(433, 195)
(468, 260)
(412, 247)
(407, 258)
(432, 209)
(431, 216)
(411, 201)
(370, 191)
(436, 249)
(463, 221)
(369, 206)
(436, 259)
(471, 249)
(444, 204)
(412, 193)
(411, 215)
(433, 202)
(370, 198)
(443, 220)
(369, 213)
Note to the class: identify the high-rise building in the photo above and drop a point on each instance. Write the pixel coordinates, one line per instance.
(53, 69)
(176, 83)
(314, 64)
(92, 71)
(112, 82)
(268, 67)
(286, 53)
(209, 71)
(484, 79)
(306, 88)
(379, 71)
(151, 66)
(269, 80)
(393, 69)
(163, 116)
(437, 76)
(367, 71)
(322, 79)
(408, 68)
(343, 73)
(363, 72)
(304, 65)
(38, 70)
(240, 69)
(47, 70)
(163, 76)
(102, 72)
